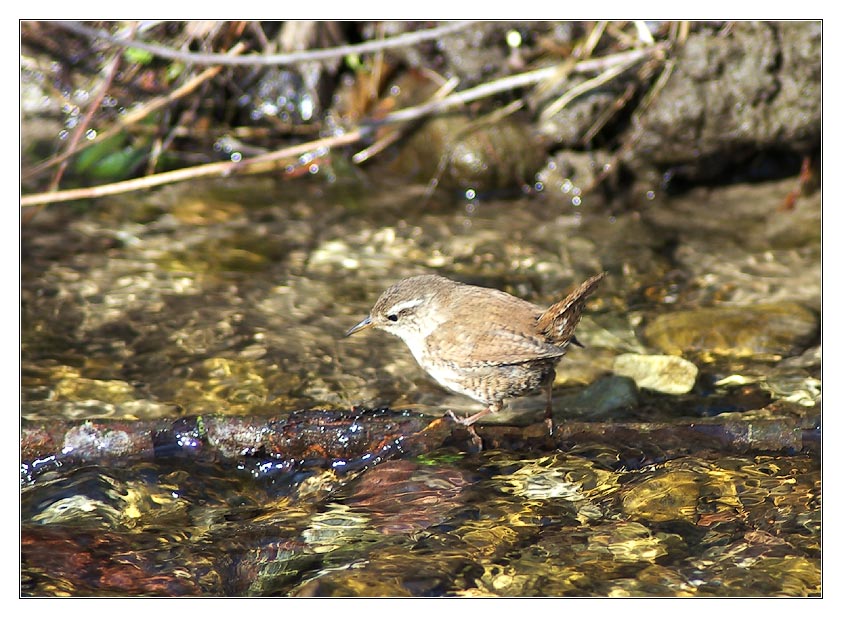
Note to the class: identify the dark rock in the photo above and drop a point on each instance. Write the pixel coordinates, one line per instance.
(755, 88)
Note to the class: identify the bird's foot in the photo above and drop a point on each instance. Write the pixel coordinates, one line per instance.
(468, 422)
(456, 419)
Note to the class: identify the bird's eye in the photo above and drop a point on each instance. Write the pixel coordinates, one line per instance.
(392, 317)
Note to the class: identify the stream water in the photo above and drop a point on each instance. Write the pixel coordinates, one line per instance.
(230, 298)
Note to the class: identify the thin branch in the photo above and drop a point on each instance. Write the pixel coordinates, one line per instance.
(396, 133)
(609, 113)
(260, 163)
(265, 162)
(86, 119)
(138, 114)
(637, 129)
(401, 40)
(593, 39)
(579, 89)
(624, 60)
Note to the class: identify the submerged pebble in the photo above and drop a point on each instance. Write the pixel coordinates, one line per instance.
(671, 495)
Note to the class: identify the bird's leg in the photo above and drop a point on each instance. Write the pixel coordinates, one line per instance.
(467, 421)
(548, 411)
(470, 420)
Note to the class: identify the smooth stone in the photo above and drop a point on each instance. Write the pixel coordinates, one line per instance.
(658, 372)
(766, 331)
(672, 495)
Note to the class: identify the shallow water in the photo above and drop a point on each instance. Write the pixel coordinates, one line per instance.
(231, 299)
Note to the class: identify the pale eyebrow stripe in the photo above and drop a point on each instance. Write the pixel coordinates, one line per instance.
(406, 304)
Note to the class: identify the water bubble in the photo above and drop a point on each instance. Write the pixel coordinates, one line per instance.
(268, 109)
(306, 108)
(470, 194)
(236, 157)
(650, 195)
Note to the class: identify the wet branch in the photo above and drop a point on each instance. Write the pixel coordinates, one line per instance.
(350, 440)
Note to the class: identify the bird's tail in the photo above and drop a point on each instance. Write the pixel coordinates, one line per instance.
(559, 321)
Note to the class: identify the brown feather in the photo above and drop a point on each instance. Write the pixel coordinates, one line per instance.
(559, 321)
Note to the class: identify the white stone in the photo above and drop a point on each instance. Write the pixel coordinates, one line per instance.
(666, 374)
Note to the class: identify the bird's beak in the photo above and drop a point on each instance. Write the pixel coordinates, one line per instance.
(367, 323)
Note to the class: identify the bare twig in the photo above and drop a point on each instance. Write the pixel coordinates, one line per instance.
(582, 51)
(138, 114)
(643, 32)
(610, 64)
(609, 113)
(86, 119)
(394, 135)
(592, 40)
(400, 40)
(580, 89)
(521, 80)
(260, 163)
(650, 96)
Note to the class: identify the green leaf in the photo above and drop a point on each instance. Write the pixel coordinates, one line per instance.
(174, 70)
(138, 56)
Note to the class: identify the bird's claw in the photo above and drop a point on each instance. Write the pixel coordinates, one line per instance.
(457, 419)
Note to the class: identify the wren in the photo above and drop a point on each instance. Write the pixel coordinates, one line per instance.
(480, 342)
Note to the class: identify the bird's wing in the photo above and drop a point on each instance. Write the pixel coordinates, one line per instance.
(493, 344)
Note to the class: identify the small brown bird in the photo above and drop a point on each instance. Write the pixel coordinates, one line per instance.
(480, 342)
